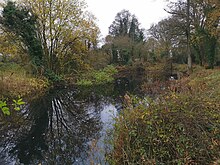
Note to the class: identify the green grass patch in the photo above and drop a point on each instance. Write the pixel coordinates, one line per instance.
(97, 77)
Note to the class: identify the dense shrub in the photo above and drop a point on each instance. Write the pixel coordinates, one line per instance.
(177, 130)
(53, 77)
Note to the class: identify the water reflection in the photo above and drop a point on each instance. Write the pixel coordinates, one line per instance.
(31, 143)
(60, 127)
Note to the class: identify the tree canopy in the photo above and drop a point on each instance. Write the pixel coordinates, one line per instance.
(56, 33)
(127, 35)
(22, 23)
(126, 24)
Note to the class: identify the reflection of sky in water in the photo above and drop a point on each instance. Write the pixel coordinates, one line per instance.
(108, 112)
(66, 125)
(59, 128)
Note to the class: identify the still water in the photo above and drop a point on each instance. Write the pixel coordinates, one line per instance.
(65, 126)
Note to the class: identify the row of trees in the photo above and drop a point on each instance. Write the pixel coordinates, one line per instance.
(200, 24)
(59, 36)
(125, 38)
(168, 38)
(54, 33)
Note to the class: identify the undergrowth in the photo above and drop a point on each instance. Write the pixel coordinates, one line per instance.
(14, 81)
(181, 127)
(99, 77)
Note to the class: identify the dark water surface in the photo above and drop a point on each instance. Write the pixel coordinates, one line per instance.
(65, 126)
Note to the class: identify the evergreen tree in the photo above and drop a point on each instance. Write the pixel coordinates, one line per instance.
(126, 35)
(22, 23)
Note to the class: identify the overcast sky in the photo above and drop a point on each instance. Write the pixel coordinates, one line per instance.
(147, 11)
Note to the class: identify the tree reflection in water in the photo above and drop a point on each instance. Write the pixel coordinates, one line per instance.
(63, 125)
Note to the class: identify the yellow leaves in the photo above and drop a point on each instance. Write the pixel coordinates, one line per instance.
(146, 114)
(7, 46)
(213, 15)
(174, 95)
(64, 27)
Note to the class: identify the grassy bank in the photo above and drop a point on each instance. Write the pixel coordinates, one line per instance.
(15, 81)
(97, 77)
(182, 126)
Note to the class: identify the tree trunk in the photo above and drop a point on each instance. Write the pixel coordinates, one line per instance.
(188, 39)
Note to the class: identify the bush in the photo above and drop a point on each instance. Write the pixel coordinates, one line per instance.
(53, 77)
(180, 129)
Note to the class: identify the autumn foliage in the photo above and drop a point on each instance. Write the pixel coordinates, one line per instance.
(180, 127)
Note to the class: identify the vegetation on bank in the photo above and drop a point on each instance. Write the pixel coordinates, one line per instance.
(15, 85)
(58, 40)
(99, 77)
(15, 81)
(179, 127)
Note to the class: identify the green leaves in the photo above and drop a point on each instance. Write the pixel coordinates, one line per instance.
(3, 104)
(6, 111)
(16, 104)
(4, 108)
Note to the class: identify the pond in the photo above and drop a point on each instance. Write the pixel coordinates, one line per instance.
(65, 126)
